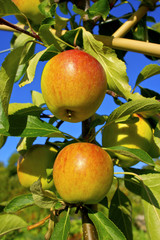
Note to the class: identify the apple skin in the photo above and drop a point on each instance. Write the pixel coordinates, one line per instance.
(134, 135)
(33, 165)
(82, 173)
(30, 9)
(73, 85)
(154, 150)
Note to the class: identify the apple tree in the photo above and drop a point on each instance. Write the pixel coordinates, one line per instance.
(83, 44)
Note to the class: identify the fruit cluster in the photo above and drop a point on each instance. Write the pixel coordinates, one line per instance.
(82, 172)
(73, 85)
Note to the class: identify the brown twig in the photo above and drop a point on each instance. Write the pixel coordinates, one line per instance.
(18, 29)
(113, 94)
(41, 222)
(59, 124)
(89, 230)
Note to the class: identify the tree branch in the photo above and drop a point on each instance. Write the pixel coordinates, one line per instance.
(132, 21)
(147, 48)
(18, 29)
(89, 230)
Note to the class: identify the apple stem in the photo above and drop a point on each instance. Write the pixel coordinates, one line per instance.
(89, 230)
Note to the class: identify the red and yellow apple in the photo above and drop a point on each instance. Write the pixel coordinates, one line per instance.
(73, 85)
(30, 9)
(33, 165)
(82, 173)
(132, 135)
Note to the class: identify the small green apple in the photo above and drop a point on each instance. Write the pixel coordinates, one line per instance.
(154, 150)
(30, 9)
(82, 173)
(33, 165)
(73, 85)
(134, 135)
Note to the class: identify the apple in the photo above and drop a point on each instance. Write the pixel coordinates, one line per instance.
(82, 173)
(33, 165)
(154, 150)
(132, 135)
(30, 9)
(73, 85)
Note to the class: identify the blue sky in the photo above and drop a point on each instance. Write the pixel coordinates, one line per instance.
(135, 62)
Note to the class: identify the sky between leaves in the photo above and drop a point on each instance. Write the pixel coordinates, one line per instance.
(135, 62)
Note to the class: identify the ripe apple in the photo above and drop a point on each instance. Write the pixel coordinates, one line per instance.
(83, 173)
(30, 9)
(73, 85)
(134, 135)
(33, 165)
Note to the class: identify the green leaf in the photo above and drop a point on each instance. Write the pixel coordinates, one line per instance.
(24, 109)
(156, 26)
(138, 154)
(60, 23)
(46, 9)
(24, 144)
(157, 134)
(78, 10)
(148, 93)
(31, 126)
(147, 72)
(98, 120)
(133, 183)
(42, 198)
(63, 7)
(151, 203)
(8, 8)
(50, 52)
(115, 69)
(106, 228)
(10, 222)
(37, 98)
(18, 203)
(24, 122)
(30, 73)
(147, 185)
(61, 229)
(2, 140)
(101, 7)
(4, 124)
(144, 105)
(49, 37)
(28, 45)
(72, 35)
(7, 76)
(120, 213)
